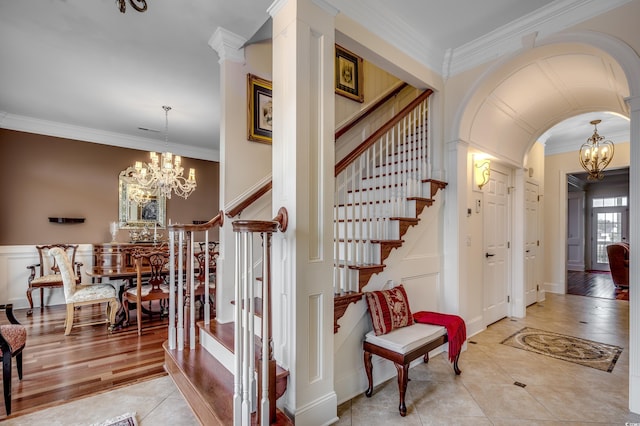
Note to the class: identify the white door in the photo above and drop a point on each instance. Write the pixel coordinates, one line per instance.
(531, 244)
(496, 232)
(610, 225)
(575, 231)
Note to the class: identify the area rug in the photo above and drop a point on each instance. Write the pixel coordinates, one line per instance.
(622, 293)
(567, 348)
(128, 419)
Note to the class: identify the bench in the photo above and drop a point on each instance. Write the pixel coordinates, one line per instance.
(401, 346)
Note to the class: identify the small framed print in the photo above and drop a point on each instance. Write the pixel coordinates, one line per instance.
(259, 109)
(349, 74)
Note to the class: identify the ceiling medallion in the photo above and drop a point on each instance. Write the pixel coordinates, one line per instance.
(122, 5)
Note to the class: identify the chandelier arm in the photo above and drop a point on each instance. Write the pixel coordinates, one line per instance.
(141, 8)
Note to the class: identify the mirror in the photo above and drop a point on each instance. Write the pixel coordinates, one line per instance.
(138, 208)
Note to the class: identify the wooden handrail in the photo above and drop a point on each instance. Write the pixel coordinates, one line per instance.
(369, 110)
(217, 220)
(355, 154)
(250, 199)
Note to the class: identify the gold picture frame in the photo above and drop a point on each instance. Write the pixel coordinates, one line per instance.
(259, 109)
(349, 78)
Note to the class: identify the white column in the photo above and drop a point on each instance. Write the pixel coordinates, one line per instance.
(303, 176)
(634, 256)
(455, 226)
(229, 48)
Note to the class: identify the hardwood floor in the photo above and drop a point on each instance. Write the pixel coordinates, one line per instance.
(59, 368)
(594, 284)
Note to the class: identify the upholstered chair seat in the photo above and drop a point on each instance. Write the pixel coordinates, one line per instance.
(76, 295)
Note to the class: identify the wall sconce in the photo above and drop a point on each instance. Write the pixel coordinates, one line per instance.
(481, 171)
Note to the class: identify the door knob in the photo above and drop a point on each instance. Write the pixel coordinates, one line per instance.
(488, 255)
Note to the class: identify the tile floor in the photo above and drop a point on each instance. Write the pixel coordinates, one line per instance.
(556, 392)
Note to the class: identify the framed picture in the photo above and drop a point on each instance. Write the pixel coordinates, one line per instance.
(349, 74)
(259, 109)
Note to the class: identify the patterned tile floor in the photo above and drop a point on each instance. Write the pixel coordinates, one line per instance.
(556, 392)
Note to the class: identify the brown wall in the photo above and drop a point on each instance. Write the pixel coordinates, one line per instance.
(43, 176)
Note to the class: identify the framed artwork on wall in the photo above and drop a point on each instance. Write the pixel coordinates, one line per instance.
(259, 109)
(349, 74)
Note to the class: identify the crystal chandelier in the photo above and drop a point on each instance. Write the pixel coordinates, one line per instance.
(596, 154)
(163, 176)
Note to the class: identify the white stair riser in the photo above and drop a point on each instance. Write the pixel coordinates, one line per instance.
(377, 210)
(358, 253)
(381, 230)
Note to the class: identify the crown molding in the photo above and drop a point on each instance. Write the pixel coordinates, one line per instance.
(68, 131)
(391, 28)
(547, 20)
(228, 45)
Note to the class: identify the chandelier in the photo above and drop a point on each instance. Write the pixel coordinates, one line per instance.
(596, 154)
(163, 176)
(122, 5)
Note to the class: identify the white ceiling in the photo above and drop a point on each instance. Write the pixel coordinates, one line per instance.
(82, 69)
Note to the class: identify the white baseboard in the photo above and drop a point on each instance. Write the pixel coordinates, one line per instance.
(322, 411)
(554, 288)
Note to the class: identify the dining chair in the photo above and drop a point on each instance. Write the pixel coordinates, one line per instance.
(151, 285)
(46, 274)
(13, 338)
(77, 295)
(202, 260)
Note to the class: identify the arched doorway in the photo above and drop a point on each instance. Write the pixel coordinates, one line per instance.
(518, 99)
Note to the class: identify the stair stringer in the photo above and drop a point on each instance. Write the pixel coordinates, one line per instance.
(418, 266)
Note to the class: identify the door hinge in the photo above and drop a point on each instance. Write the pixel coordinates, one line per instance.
(538, 243)
(538, 198)
(508, 244)
(537, 287)
(508, 299)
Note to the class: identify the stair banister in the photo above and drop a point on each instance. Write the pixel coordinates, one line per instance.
(244, 399)
(353, 155)
(182, 276)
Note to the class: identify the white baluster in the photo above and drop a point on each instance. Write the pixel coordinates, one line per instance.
(179, 286)
(237, 343)
(172, 291)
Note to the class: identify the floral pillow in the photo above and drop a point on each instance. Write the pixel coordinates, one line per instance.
(389, 309)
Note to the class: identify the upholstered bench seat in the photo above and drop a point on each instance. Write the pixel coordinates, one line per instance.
(406, 339)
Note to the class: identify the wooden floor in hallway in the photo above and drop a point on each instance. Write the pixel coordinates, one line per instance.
(594, 284)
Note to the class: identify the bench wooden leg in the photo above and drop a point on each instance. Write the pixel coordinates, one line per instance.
(403, 379)
(455, 365)
(368, 367)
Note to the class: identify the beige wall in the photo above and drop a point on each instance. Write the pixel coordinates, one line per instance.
(46, 177)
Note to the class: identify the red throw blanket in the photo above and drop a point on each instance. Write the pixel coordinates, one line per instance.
(456, 329)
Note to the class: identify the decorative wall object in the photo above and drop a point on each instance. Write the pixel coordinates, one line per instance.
(259, 109)
(349, 78)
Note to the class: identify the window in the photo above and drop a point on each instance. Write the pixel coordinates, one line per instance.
(610, 202)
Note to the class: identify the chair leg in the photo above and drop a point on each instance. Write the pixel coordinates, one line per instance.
(112, 308)
(6, 379)
(19, 365)
(69, 321)
(30, 299)
(41, 299)
(139, 317)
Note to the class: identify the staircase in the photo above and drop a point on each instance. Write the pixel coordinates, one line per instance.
(382, 187)
(381, 190)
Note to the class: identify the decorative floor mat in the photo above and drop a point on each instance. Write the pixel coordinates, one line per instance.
(567, 348)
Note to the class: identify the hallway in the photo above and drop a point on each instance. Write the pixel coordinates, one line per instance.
(555, 392)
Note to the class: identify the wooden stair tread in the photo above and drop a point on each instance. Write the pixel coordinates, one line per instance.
(224, 333)
(206, 385)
